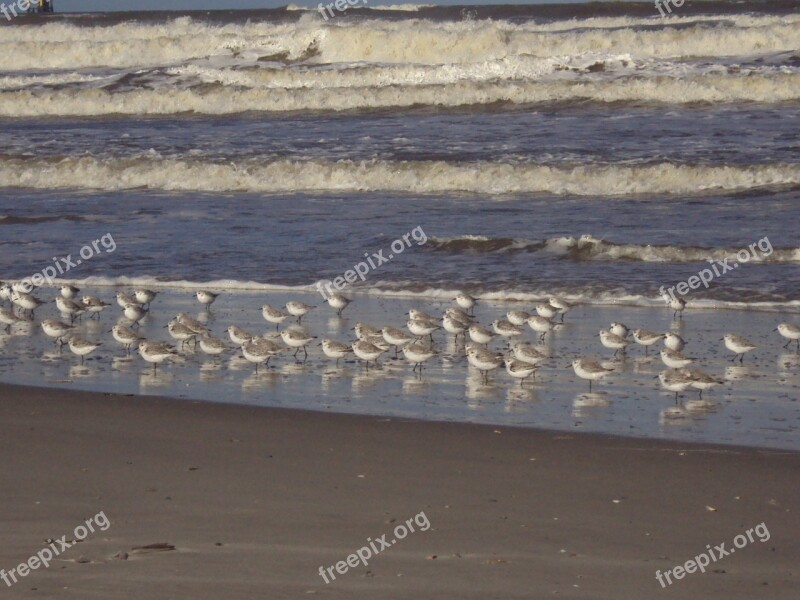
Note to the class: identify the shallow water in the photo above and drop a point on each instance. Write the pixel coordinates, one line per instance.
(758, 405)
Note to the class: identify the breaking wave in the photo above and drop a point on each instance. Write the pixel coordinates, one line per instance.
(424, 177)
(588, 247)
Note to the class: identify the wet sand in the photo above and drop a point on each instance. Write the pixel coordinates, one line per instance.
(255, 500)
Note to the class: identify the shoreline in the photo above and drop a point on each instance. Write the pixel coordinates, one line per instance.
(257, 500)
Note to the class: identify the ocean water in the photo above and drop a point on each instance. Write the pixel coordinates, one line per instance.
(597, 152)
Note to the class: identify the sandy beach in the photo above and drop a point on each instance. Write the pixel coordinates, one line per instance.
(255, 500)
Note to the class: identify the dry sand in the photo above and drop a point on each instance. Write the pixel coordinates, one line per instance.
(255, 500)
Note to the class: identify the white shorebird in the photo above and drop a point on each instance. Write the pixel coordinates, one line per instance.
(675, 381)
(459, 315)
(678, 305)
(68, 291)
(5, 291)
(259, 350)
(466, 301)
(520, 370)
(367, 351)
(484, 360)
(364, 331)
(56, 330)
(298, 309)
(646, 338)
(546, 310)
(192, 324)
(27, 302)
(69, 308)
(518, 317)
(334, 349)
(124, 299)
(338, 302)
(145, 296)
(561, 305)
(417, 353)
(674, 342)
(619, 329)
(700, 379)
(134, 313)
(181, 332)
(420, 315)
(791, 332)
(540, 325)
(613, 342)
(674, 359)
(238, 335)
(297, 339)
(526, 353)
(126, 336)
(213, 346)
(82, 347)
(480, 335)
(274, 315)
(589, 369)
(738, 345)
(94, 306)
(206, 298)
(421, 327)
(454, 326)
(506, 329)
(156, 352)
(396, 337)
(8, 318)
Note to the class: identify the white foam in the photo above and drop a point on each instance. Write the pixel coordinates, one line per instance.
(258, 175)
(714, 89)
(62, 45)
(412, 290)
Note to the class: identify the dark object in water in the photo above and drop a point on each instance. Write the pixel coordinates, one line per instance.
(41, 6)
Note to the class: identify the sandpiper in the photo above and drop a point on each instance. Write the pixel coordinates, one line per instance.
(466, 301)
(156, 352)
(338, 302)
(417, 353)
(126, 336)
(589, 369)
(646, 337)
(206, 298)
(520, 370)
(296, 339)
(298, 309)
(738, 345)
(333, 349)
(82, 347)
(367, 351)
(791, 332)
(274, 315)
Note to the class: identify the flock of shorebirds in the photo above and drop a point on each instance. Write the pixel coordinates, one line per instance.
(521, 359)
